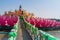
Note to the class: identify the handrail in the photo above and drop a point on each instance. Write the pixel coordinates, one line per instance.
(41, 35)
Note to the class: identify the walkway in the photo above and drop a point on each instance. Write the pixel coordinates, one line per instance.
(22, 33)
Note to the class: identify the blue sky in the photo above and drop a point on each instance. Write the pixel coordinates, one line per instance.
(41, 8)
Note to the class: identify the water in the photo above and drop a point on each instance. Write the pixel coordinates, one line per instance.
(56, 33)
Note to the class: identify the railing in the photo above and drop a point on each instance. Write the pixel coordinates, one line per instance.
(37, 34)
(45, 36)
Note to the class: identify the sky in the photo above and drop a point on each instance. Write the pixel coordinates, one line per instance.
(41, 8)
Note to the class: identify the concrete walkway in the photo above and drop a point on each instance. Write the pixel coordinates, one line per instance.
(22, 33)
(19, 34)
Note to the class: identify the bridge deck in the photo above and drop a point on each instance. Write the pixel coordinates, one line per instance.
(22, 33)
